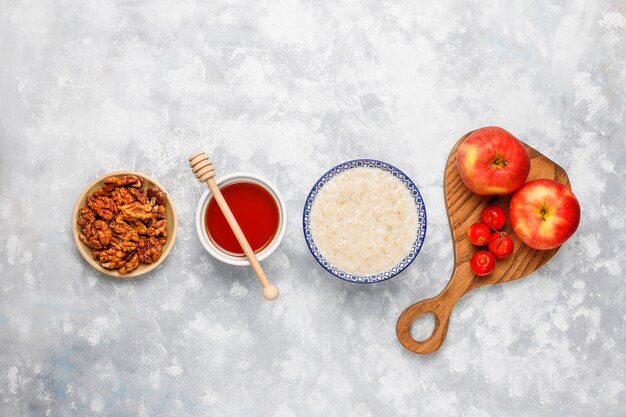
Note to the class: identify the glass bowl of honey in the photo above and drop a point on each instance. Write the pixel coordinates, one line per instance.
(259, 209)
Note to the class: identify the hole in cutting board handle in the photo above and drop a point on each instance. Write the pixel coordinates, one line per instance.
(423, 327)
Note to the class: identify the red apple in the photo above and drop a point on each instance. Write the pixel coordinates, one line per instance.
(544, 213)
(492, 161)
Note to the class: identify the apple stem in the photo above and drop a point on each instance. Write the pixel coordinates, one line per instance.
(500, 161)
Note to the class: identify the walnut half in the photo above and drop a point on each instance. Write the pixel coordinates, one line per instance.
(86, 216)
(112, 258)
(149, 250)
(103, 206)
(130, 180)
(132, 262)
(159, 197)
(97, 235)
(137, 210)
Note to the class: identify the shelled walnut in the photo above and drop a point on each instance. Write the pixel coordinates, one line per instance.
(137, 210)
(124, 224)
(149, 250)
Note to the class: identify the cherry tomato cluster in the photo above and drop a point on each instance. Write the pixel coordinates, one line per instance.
(486, 232)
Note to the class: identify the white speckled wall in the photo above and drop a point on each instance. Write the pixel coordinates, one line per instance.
(287, 89)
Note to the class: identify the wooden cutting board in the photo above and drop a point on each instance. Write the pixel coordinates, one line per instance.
(464, 208)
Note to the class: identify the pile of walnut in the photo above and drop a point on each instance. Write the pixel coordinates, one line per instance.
(124, 224)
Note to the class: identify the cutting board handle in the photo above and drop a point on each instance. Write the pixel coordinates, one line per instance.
(441, 310)
(441, 306)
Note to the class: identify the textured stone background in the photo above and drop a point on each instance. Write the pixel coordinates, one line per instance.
(286, 90)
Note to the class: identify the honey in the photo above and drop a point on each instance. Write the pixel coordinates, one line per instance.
(256, 211)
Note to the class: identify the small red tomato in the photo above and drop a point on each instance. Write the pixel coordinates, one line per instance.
(483, 263)
(479, 234)
(501, 245)
(493, 216)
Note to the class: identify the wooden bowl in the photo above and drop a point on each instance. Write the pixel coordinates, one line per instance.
(172, 225)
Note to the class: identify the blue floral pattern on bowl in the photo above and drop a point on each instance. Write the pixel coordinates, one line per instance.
(419, 207)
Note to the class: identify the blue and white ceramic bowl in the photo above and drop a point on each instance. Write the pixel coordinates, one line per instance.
(419, 208)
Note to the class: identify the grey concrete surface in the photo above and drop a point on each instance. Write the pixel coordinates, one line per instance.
(287, 89)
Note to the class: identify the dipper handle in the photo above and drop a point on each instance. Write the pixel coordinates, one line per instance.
(202, 166)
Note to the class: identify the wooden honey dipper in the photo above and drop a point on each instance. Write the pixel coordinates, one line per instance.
(202, 166)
